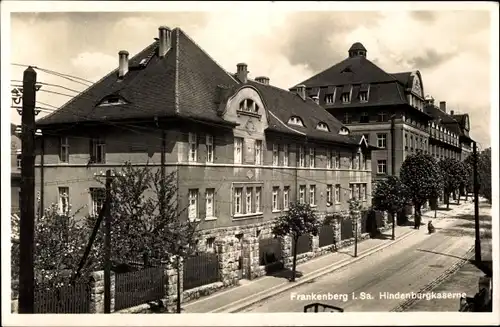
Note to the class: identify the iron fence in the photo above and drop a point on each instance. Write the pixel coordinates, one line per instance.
(346, 231)
(326, 236)
(303, 244)
(201, 269)
(139, 287)
(64, 299)
(270, 254)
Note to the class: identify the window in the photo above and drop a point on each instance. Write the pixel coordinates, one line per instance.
(258, 207)
(337, 193)
(98, 151)
(347, 118)
(63, 200)
(329, 190)
(193, 147)
(209, 203)
(258, 152)
(357, 161)
(19, 160)
(382, 167)
(210, 244)
(237, 201)
(249, 106)
(64, 154)
(382, 140)
(275, 155)
(238, 150)
(296, 121)
(312, 195)
(363, 96)
(346, 97)
(382, 117)
(285, 155)
(337, 160)
(329, 99)
(364, 118)
(248, 200)
(210, 148)
(351, 191)
(406, 142)
(275, 198)
(97, 197)
(312, 156)
(365, 193)
(302, 194)
(193, 204)
(302, 159)
(286, 197)
(356, 193)
(328, 159)
(323, 127)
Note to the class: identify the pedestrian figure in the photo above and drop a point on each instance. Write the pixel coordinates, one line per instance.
(430, 227)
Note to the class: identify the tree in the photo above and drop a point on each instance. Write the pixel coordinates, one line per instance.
(463, 178)
(453, 173)
(299, 220)
(469, 184)
(484, 173)
(422, 177)
(390, 195)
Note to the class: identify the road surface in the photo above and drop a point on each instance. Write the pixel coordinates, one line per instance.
(368, 284)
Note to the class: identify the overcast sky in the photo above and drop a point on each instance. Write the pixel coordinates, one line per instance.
(450, 48)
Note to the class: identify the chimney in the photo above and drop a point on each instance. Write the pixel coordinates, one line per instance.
(429, 100)
(242, 72)
(122, 63)
(452, 112)
(263, 80)
(442, 106)
(165, 40)
(301, 91)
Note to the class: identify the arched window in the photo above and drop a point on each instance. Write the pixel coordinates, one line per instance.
(294, 120)
(112, 100)
(343, 131)
(322, 127)
(249, 105)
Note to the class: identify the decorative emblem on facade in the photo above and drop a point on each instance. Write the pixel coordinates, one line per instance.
(250, 174)
(250, 127)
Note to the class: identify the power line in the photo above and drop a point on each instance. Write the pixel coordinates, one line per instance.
(53, 72)
(50, 84)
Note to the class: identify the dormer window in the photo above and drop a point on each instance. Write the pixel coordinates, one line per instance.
(322, 127)
(249, 105)
(364, 118)
(112, 100)
(346, 97)
(343, 131)
(296, 121)
(382, 117)
(329, 99)
(363, 96)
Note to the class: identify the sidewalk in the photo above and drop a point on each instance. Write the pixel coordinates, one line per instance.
(261, 287)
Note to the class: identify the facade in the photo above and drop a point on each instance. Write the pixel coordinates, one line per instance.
(242, 150)
(365, 97)
(15, 165)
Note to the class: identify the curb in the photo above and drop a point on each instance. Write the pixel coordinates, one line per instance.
(405, 305)
(232, 308)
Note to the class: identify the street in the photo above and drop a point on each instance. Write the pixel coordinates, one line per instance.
(405, 267)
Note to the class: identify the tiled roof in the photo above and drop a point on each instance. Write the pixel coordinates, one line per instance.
(182, 83)
(403, 78)
(284, 104)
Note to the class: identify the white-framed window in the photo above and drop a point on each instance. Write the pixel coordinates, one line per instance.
(193, 204)
(97, 197)
(209, 203)
(258, 152)
(363, 96)
(210, 244)
(329, 99)
(210, 148)
(382, 167)
(382, 140)
(357, 191)
(238, 150)
(363, 192)
(351, 191)
(302, 157)
(98, 154)
(237, 200)
(64, 153)
(249, 105)
(328, 159)
(337, 160)
(193, 147)
(296, 121)
(286, 155)
(258, 199)
(302, 194)
(329, 195)
(275, 198)
(337, 193)
(322, 127)
(275, 154)
(312, 195)
(63, 200)
(248, 200)
(286, 197)
(312, 157)
(346, 97)
(19, 160)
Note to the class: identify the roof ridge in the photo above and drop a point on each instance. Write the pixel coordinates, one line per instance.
(202, 50)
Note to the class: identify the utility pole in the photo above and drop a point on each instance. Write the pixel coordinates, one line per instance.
(107, 244)
(477, 243)
(393, 145)
(27, 222)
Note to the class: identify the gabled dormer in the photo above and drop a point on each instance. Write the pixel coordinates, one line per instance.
(296, 121)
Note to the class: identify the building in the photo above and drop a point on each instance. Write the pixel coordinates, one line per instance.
(365, 97)
(242, 149)
(15, 165)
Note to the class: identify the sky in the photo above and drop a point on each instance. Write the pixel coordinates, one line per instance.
(451, 49)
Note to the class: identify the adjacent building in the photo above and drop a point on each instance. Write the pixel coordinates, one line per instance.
(364, 98)
(242, 150)
(15, 166)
